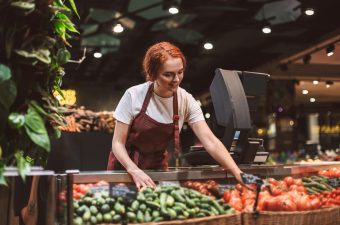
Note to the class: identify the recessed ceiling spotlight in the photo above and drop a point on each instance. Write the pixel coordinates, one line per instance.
(329, 83)
(315, 82)
(97, 55)
(208, 46)
(330, 50)
(266, 30)
(312, 99)
(173, 10)
(118, 28)
(309, 11)
(305, 92)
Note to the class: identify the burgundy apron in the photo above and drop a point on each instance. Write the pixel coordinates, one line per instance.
(147, 140)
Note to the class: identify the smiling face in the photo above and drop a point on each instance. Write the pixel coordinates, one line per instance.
(169, 77)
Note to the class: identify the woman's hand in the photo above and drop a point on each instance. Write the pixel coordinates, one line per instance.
(141, 179)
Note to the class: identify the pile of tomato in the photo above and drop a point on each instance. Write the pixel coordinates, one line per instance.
(79, 190)
(288, 194)
(333, 172)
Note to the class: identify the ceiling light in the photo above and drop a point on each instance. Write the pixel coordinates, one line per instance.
(312, 99)
(208, 46)
(118, 28)
(329, 83)
(173, 10)
(309, 12)
(266, 30)
(97, 55)
(315, 82)
(305, 92)
(306, 59)
(330, 50)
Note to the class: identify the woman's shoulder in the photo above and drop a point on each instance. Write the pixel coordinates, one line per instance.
(138, 89)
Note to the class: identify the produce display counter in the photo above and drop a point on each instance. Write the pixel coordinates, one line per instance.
(78, 206)
(204, 173)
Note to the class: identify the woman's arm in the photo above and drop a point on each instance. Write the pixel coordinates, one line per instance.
(215, 148)
(140, 178)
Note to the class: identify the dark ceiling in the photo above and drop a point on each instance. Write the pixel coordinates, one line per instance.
(232, 26)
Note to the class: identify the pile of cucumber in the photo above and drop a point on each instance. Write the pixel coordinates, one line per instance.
(151, 205)
(316, 184)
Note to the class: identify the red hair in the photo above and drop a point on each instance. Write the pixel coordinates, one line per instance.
(156, 55)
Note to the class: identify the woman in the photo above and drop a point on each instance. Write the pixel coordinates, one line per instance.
(149, 115)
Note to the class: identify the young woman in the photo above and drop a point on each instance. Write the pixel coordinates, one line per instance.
(151, 114)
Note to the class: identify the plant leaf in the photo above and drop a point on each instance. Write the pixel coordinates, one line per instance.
(63, 56)
(16, 120)
(74, 7)
(42, 55)
(5, 73)
(38, 108)
(23, 5)
(23, 166)
(34, 121)
(2, 170)
(41, 140)
(8, 92)
(36, 130)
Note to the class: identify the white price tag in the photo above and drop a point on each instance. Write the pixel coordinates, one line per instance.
(169, 183)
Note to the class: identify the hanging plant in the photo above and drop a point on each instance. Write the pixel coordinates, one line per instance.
(33, 49)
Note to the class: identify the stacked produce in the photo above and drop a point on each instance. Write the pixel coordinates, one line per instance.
(286, 195)
(209, 187)
(82, 120)
(160, 204)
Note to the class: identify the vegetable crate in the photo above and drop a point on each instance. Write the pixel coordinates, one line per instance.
(326, 216)
(234, 219)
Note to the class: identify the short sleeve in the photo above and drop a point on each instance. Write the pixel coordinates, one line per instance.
(195, 113)
(123, 112)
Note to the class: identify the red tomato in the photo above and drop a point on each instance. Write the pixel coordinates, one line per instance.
(239, 187)
(226, 196)
(272, 180)
(298, 182)
(293, 187)
(271, 204)
(275, 191)
(236, 203)
(315, 203)
(77, 195)
(301, 189)
(288, 205)
(303, 203)
(289, 181)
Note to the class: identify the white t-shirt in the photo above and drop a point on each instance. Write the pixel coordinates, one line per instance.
(159, 108)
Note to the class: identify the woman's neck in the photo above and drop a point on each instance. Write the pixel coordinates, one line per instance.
(160, 93)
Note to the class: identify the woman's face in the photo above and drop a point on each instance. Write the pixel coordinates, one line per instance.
(169, 77)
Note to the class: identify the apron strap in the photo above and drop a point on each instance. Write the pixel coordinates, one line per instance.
(147, 99)
(176, 131)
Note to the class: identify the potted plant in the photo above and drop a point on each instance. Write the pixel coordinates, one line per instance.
(33, 50)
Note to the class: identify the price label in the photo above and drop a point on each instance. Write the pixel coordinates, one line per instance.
(126, 192)
(99, 189)
(251, 179)
(334, 182)
(223, 187)
(169, 183)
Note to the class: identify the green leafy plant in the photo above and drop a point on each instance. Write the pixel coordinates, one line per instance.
(33, 50)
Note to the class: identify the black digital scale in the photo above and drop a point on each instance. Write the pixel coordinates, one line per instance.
(234, 94)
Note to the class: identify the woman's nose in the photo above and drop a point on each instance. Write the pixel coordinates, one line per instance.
(176, 78)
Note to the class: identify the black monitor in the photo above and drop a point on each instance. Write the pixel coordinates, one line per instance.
(234, 94)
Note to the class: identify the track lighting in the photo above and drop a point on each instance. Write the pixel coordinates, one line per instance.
(330, 50)
(329, 83)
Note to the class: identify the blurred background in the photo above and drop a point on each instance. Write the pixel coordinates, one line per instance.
(296, 42)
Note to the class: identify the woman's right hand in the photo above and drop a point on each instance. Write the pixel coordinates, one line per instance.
(141, 179)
